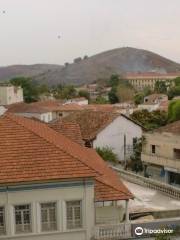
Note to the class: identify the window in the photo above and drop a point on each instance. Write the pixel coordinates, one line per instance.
(2, 221)
(176, 153)
(153, 149)
(48, 217)
(74, 214)
(23, 218)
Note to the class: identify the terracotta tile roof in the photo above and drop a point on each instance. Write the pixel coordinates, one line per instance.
(30, 151)
(173, 128)
(26, 108)
(100, 107)
(56, 105)
(69, 129)
(91, 122)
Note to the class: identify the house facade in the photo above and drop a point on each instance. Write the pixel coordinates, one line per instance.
(161, 154)
(10, 94)
(119, 135)
(47, 211)
(54, 188)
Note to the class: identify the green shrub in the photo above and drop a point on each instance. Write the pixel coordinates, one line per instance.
(107, 154)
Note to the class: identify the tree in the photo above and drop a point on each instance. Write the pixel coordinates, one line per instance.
(30, 89)
(84, 93)
(136, 163)
(124, 93)
(64, 92)
(150, 120)
(101, 100)
(173, 92)
(174, 111)
(160, 87)
(139, 98)
(112, 96)
(107, 154)
(177, 81)
(114, 80)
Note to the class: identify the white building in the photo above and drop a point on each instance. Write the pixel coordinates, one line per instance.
(52, 188)
(80, 101)
(2, 110)
(10, 94)
(108, 129)
(31, 111)
(153, 102)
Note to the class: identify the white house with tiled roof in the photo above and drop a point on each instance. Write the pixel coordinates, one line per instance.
(54, 188)
(108, 129)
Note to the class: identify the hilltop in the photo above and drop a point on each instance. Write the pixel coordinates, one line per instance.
(100, 66)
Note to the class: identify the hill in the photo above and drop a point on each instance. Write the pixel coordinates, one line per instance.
(99, 66)
(9, 72)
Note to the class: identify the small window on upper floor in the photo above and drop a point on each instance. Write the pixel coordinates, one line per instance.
(2, 221)
(153, 149)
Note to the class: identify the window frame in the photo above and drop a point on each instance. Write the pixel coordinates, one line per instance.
(4, 221)
(30, 222)
(56, 216)
(74, 220)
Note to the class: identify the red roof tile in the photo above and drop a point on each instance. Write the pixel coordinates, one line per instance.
(68, 129)
(173, 128)
(30, 151)
(91, 122)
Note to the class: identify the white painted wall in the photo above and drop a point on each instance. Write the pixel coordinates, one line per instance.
(113, 135)
(45, 117)
(59, 195)
(112, 214)
(148, 107)
(80, 102)
(2, 110)
(10, 95)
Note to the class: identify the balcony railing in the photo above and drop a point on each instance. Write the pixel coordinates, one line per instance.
(112, 232)
(162, 161)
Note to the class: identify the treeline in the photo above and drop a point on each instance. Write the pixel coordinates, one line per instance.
(33, 91)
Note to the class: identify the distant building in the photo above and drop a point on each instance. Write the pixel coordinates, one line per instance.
(31, 111)
(10, 94)
(154, 102)
(80, 101)
(161, 153)
(142, 80)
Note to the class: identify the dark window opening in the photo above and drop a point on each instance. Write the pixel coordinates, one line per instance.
(153, 149)
(177, 153)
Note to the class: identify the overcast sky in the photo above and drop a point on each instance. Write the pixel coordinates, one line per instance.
(30, 29)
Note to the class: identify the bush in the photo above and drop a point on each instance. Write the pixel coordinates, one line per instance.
(174, 111)
(107, 154)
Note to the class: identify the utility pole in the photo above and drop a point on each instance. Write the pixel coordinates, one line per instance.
(125, 163)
